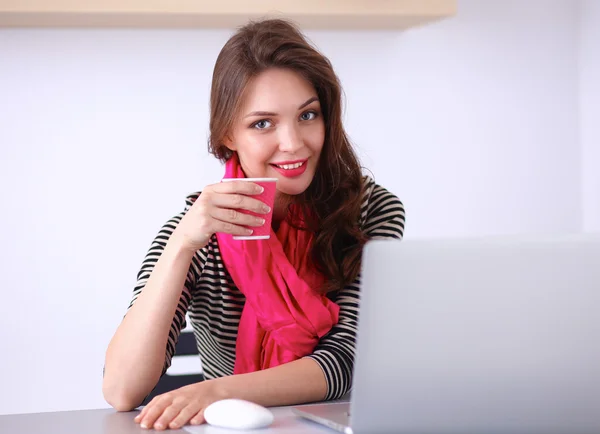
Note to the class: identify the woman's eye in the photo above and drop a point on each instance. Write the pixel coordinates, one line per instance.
(308, 116)
(261, 125)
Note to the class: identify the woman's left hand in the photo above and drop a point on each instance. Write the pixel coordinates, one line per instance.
(178, 407)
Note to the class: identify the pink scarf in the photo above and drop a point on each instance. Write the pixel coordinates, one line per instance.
(284, 316)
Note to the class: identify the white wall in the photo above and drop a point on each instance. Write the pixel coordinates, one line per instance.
(589, 92)
(472, 122)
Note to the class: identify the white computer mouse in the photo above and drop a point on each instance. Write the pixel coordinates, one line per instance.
(237, 414)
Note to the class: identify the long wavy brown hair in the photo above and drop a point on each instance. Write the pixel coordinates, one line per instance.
(332, 202)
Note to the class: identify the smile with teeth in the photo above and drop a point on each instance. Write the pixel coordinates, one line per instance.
(289, 166)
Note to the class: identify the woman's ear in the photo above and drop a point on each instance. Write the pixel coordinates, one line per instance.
(228, 142)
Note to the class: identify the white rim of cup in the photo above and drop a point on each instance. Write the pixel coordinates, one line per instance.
(250, 179)
(250, 237)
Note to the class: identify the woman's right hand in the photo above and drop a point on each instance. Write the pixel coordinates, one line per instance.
(217, 210)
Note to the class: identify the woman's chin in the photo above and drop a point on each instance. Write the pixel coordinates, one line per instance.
(291, 192)
(294, 187)
(291, 189)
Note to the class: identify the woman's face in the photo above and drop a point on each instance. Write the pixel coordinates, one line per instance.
(280, 130)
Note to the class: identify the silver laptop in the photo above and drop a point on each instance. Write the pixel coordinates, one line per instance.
(498, 335)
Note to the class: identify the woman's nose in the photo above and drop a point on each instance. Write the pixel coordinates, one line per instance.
(290, 140)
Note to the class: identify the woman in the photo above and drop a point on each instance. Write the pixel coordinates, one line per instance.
(275, 112)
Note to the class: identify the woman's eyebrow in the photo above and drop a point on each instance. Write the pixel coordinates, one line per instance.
(310, 100)
(261, 113)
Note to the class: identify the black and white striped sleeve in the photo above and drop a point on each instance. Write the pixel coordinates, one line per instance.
(154, 252)
(383, 217)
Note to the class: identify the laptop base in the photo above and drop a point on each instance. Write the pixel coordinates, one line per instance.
(335, 415)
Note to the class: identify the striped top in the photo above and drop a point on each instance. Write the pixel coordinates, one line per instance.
(214, 303)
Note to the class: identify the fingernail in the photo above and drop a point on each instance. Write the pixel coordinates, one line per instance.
(144, 425)
(261, 221)
(249, 231)
(260, 189)
(266, 208)
(159, 425)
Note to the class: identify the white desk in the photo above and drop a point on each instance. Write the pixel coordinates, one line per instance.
(112, 422)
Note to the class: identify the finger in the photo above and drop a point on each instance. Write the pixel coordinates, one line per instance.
(167, 416)
(147, 407)
(236, 217)
(230, 228)
(239, 201)
(184, 416)
(155, 410)
(241, 187)
(198, 418)
(143, 412)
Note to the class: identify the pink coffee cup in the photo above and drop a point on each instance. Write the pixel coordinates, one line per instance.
(268, 197)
